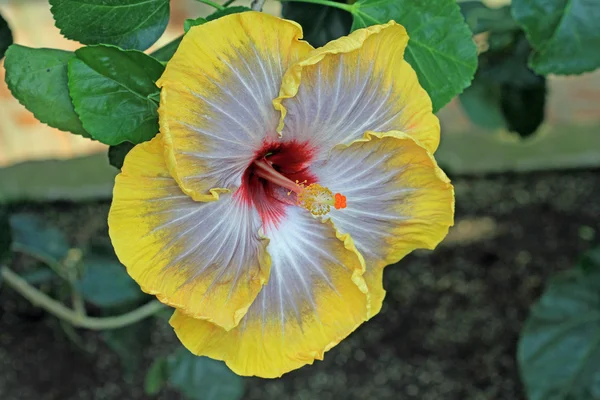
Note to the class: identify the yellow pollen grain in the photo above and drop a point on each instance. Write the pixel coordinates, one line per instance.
(315, 198)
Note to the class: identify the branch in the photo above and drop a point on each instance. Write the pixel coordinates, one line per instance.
(257, 5)
(59, 310)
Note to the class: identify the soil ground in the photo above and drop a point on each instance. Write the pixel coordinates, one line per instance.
(448, 329)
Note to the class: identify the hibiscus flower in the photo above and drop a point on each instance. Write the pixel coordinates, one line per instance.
(284, 179)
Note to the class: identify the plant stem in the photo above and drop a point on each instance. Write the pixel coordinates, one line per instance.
(257, 5)
(335, 4)
(71, 263)
(77, 302)
(212, 4)
(49, 261)
(59, 310)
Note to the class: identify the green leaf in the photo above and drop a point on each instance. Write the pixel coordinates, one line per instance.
(482, 18)
(481, 102)
(524, 107)
(38, 79)
(113, 91)
(564, 34)
(493, 106)
(34, 236)
(505, 92)
(165, 314)
(156, 377)
(116, 154)
(202, 378)
(590, 261)
(506, 61)
(559, 349)
(165, 53)
(39, 276)
(130, 24)
(129, 344)
(6, 38)
(87, 178)
(217, 14)
(193, 22)
(320, 24)
(440, 49)
(105, 282)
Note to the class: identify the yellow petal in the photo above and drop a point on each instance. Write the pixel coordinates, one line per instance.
(355, 84)
(216, 100)
(313, 300)
(205, 258)
(397, 200)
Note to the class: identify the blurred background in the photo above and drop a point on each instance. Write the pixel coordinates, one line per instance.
(526, 207)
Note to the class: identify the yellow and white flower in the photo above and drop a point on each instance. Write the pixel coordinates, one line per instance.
(284, 179)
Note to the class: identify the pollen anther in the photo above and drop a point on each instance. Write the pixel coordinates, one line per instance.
(315, 198)
(318, 199)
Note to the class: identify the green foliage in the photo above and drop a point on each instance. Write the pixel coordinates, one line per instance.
(129, 344)
(105, 282)
(524, 108)
(482, 18)
(34, 236)
(38, 79)
(198, 378)
(440, 48)
(130, 24)
(218, 14)
(156, 377)
(559, 349)
(193, 22)
(590, 262)
(481, 101)
(505, 62)
(521, 92)
(564, 34)
(320, 24)
(117, 154)
(114, 93)
(505, 93)
(115, 97)
(165, 53)
(6, 38)
(39, 276)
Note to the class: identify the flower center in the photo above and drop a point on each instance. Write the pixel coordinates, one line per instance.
(313, 197)
(280, 177)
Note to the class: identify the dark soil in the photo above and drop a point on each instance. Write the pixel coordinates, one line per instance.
(448, 329)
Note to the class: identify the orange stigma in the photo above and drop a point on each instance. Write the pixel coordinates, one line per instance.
(340, 201)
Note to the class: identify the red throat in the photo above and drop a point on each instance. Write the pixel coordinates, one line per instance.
(290, 159)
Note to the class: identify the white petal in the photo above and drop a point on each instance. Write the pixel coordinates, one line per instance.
(216, 108)
(311, 302)
(397, 200)
(205, 258)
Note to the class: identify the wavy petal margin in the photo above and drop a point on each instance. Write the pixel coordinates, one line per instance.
(216, 100)
(315, 297)
(207, 259)
(398, 200)
(355, 84)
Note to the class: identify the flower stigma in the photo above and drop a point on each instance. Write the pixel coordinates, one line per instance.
(315, 198)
